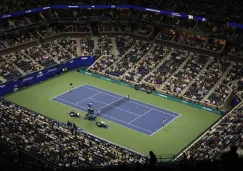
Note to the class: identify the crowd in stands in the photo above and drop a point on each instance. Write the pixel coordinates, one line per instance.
(123, 43)
(166, 35)
(105, 45)
(214, 45)
(222, 91)
(240, 94)
(237, 86)
(147, 64)
(130, 59)
(40, 56)
(206, 81)
(20, 21)
(8, 70)
(234, 74)
(105, 27)
(143, 30)
(191, 40)
(237, 50)
(61, 144)
(227, 133)
(219, 95)
(44, 55)
(54, 52)
(58, 28)
(69, 45)
(23, 62)
(180, 80)
(51, 53)
(172, 62)
(12, 39)
(83, 28)
(45, 31)
(122, 26)
(86, 47)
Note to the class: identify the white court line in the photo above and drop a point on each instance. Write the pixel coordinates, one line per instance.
(67, 91)
(140, 116)
(69, 102)
(102, 117)
(127, 123)
(115, 107)
(87, 98)
(68, 105)
(164, 126)
(97, 89)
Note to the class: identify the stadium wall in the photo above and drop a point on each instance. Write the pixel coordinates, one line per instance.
(39, 76)
(154, 92)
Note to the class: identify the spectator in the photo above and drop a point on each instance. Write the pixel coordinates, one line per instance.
(153, 159)
(231, 156)
(61, 144)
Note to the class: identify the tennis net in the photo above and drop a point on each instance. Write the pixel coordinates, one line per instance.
(113, 104)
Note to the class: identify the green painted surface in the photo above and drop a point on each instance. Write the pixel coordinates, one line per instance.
(166, 142)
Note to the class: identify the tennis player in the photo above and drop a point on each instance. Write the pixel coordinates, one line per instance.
(164, 122)
(98, 112)
(70, 87)
(128, 96)
(90, 109)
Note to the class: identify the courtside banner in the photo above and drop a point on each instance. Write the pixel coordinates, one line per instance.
(44, 74)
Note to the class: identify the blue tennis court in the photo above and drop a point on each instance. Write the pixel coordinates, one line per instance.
(136, 115)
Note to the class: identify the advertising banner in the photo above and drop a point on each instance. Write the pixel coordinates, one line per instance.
(44, 74)
(103, 7)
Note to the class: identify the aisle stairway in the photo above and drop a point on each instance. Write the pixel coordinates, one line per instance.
(115, 50)
(78, 46)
